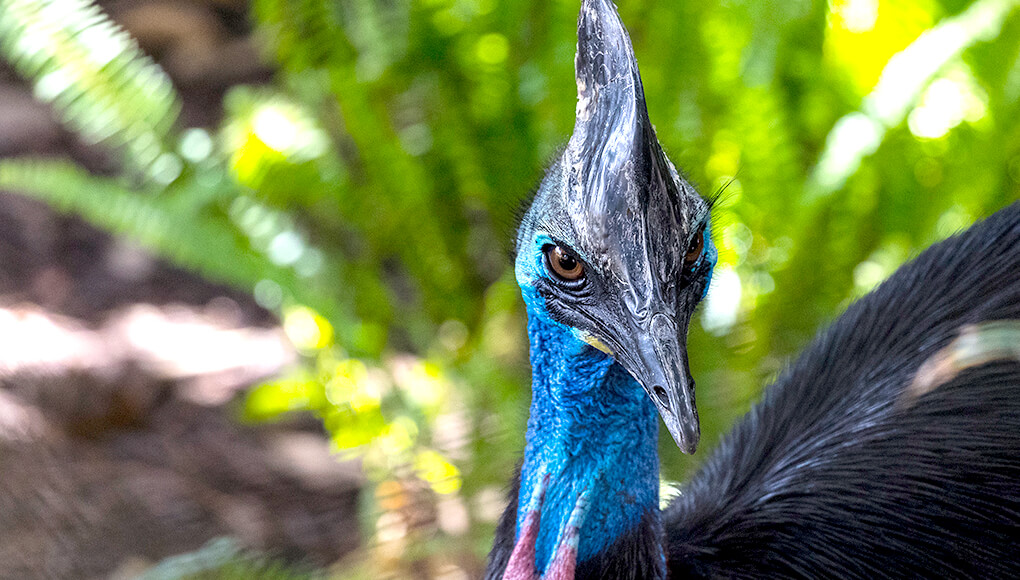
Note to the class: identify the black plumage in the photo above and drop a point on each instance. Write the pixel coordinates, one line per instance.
(840, 471)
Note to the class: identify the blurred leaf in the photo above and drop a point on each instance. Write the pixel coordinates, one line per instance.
(170, 225)
(223, 559)
(94, 74)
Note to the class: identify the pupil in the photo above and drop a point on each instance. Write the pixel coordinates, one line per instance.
(563, 265)
(694, 251)
(696, 244)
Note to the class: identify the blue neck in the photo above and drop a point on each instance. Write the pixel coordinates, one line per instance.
(592, 428)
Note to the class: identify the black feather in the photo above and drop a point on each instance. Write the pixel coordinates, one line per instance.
(831, 476)
(506, 531)
(525, 202)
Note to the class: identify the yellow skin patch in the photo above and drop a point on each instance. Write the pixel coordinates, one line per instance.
(592, 340)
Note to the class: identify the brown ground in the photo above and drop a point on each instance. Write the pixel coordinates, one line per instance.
(119, 443)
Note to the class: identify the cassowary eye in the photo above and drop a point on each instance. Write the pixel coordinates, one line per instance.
(694, 250)
(563, 265)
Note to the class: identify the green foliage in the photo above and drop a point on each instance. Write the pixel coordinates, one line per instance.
(223, 559)
(181, 223)
(93, 74)
(371, 189)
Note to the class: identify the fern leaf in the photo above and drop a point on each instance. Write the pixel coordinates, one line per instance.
(305, 34)
(198, 239)
(95, 77)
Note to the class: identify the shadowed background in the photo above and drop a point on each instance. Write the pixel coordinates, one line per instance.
(256, 307)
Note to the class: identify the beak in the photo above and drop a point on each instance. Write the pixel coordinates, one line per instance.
(661, 367)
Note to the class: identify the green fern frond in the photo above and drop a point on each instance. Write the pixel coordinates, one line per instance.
(305, 34)
(195, 237)
(95, 76)
(223, 559)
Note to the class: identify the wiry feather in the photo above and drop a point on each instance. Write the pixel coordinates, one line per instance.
(829, 476)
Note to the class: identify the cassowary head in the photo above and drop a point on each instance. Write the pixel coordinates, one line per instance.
(615, 243)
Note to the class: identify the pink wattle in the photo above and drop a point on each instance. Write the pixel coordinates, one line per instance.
(522, 560)
(521, 565)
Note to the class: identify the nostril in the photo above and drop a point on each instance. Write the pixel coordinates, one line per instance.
(660, 394)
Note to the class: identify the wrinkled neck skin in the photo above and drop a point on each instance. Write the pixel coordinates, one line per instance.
(591, 466)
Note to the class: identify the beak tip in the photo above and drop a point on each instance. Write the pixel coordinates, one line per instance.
(686, 437)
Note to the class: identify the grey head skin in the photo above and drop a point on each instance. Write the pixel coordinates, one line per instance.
(617, 208)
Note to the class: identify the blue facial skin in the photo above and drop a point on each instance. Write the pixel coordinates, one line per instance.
(711, 255)
(592, 427)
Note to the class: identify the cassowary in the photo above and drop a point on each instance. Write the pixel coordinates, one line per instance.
(891, 448)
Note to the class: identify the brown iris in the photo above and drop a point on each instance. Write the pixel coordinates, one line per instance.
(694, 250)
(563, 265)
